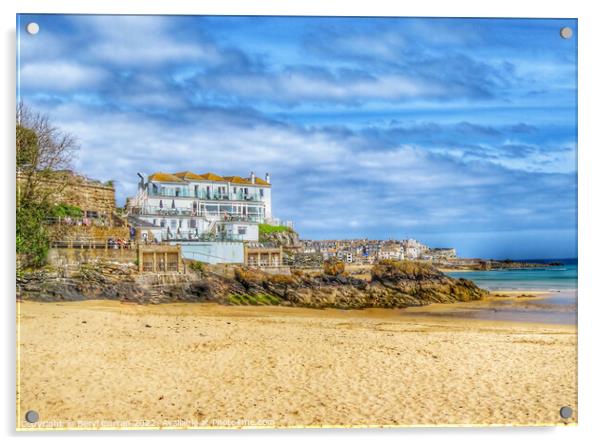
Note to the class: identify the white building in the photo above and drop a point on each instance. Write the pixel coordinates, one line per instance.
(413, 249)
(190, 207)
(391, 251)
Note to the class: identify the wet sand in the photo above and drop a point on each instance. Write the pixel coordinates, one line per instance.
(100, 364)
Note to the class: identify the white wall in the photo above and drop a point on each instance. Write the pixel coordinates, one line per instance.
(214, 252)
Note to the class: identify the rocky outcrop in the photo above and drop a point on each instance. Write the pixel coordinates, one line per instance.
(287, 239)
(393, 284)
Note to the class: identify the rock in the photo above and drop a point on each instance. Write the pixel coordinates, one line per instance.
(392, 284)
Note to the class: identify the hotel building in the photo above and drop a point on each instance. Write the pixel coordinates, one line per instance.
(190, 207)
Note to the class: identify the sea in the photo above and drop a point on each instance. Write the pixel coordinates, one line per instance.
(558, 284)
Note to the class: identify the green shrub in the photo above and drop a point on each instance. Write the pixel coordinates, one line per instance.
(66, 210)
(196, 266)
(32, 240)
(266, 229)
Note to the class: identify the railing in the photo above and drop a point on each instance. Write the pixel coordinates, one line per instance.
(178, 211)
(193, 235)
(69, 221)
(164, 211)
(211, 196)
(94, 243)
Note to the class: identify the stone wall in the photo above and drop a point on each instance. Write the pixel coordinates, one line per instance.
(87, 194)
(68, 257)
(99, 234)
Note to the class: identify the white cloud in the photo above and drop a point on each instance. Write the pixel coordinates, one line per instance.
(142, 40)
(60, 75)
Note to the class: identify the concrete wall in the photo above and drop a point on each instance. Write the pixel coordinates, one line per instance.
(213, 252)
(67, 256)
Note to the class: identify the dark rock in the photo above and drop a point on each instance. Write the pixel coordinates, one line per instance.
(393, 284)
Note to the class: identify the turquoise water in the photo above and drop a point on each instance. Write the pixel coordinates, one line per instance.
(559, 304)
(556, 278)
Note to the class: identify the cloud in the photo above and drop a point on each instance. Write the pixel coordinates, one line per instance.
(60, 76)
(141, 40)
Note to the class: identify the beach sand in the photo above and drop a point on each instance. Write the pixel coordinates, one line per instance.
(198, 365)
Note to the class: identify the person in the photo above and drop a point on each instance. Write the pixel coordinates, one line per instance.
(132, 233)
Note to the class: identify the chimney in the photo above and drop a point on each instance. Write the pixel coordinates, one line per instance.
(267, 178)
(252, 178)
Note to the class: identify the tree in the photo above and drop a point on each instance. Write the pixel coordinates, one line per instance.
(27, 147)
(42, 151)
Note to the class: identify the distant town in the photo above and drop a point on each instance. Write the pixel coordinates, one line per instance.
(367, 251)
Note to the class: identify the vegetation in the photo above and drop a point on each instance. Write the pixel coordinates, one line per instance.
(253, 300)
(66, 210)
(196, 266)
(32, 241)
(43, 150)
(266, 229)
(334, 267)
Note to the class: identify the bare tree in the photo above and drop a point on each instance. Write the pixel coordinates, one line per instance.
(43, 151)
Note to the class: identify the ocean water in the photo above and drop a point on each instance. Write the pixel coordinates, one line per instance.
(557, 305)
(552, 278)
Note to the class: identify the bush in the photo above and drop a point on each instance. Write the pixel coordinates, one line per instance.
(266, 229)
(196, 266)
(66, 210)
(32, 240)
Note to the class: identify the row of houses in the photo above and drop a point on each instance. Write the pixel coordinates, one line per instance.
(366, 251)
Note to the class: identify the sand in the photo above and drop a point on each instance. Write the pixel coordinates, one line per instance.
(106, 364)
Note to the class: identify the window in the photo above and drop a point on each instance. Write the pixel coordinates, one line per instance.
(173, 223)
(242, 230)
(261, 192)
(192, 224)
(163, 223)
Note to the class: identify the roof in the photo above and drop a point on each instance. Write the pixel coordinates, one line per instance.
(237, 180)
(212, 177)
(187, 176)
(190, 176)
(259, 181)
(164, 177)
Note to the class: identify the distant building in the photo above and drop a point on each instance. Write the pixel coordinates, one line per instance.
(440, 253)
(413, 249)
(391, 251)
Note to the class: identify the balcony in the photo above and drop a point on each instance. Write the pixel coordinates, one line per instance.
(164, 211)
(179, 211)
(238, 196)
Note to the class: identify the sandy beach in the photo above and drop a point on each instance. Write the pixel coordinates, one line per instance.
(100, 364)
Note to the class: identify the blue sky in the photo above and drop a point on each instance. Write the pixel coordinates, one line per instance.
(457, 132)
